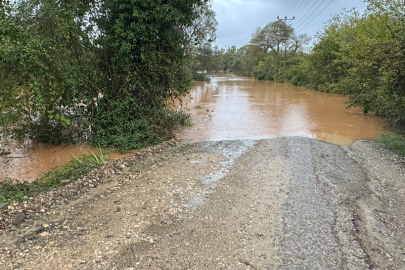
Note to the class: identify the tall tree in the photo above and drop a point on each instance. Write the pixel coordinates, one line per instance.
(44, 65)
(272, 36)
(106, 68)
(146, 46)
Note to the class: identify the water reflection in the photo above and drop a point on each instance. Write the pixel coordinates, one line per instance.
(234, 108)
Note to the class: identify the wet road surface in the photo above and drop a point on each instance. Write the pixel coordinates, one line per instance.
(282, 203)
(287, 203)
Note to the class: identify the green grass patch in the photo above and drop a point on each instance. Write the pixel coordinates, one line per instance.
(73, 170)
(395, 143)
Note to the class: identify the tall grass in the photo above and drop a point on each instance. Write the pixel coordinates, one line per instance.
(395, 143)
(73, 170)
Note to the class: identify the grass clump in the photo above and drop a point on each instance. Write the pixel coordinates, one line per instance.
(73, 170)
(395, 143)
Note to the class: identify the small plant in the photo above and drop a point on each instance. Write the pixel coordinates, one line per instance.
(395, 143)
(92, 159)
(198, 107)
(208, 114)
(73, 170)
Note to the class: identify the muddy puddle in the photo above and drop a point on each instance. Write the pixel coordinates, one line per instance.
(244, 108)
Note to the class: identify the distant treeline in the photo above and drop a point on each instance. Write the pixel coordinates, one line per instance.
(102, 70)
(358, 55)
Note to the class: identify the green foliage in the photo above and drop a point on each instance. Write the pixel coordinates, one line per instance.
(46, 65)
(102, 70)
(394, 143)
(269, 54)
(363, 57)
(146, 59)
(203, 63)
(76, 168)
(131, 126)
(298, 69)
(92, 159)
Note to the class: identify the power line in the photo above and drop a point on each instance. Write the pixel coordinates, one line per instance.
(302, 2)
(315, 16)
(285, 30)
(292, 10)
(302, 9)
(303, 16)
(309, 16)
(285, 5)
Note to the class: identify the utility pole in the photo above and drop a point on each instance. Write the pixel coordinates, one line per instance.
(285, 34)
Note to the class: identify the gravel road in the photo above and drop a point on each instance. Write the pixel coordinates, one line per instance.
(282, 203)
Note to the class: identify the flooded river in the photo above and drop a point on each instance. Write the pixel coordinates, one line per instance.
(233, 108)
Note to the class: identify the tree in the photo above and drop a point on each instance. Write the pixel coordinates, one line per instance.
(104, 70)
(249, 57)
(272, 36)
(203, 28)
(363, 58)
(270, 39)
(298, 43)
(204, 62)
(45, 65)
(146, 48)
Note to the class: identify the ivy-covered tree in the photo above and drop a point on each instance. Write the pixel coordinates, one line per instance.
(145, 48)
(105, 70)
(46, 65)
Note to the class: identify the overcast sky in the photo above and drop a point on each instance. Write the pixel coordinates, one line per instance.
(237, 19)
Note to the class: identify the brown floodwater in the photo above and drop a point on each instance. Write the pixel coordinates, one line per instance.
(26, 163)
(240, 108)
(230, 108)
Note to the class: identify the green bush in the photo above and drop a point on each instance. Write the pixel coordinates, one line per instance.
(129, 125)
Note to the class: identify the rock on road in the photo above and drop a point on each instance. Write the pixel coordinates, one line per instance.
(283, 203)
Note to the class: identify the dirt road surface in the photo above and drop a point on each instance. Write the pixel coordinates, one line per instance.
(283, 203)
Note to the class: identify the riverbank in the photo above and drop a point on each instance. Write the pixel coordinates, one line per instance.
(13, 213)
(243, 203)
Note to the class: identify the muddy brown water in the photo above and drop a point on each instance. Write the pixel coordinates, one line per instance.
(238, 108)
(27, 163)
(232, 108)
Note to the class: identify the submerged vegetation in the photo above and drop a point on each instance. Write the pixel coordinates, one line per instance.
(77, 167)
(104, 71)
